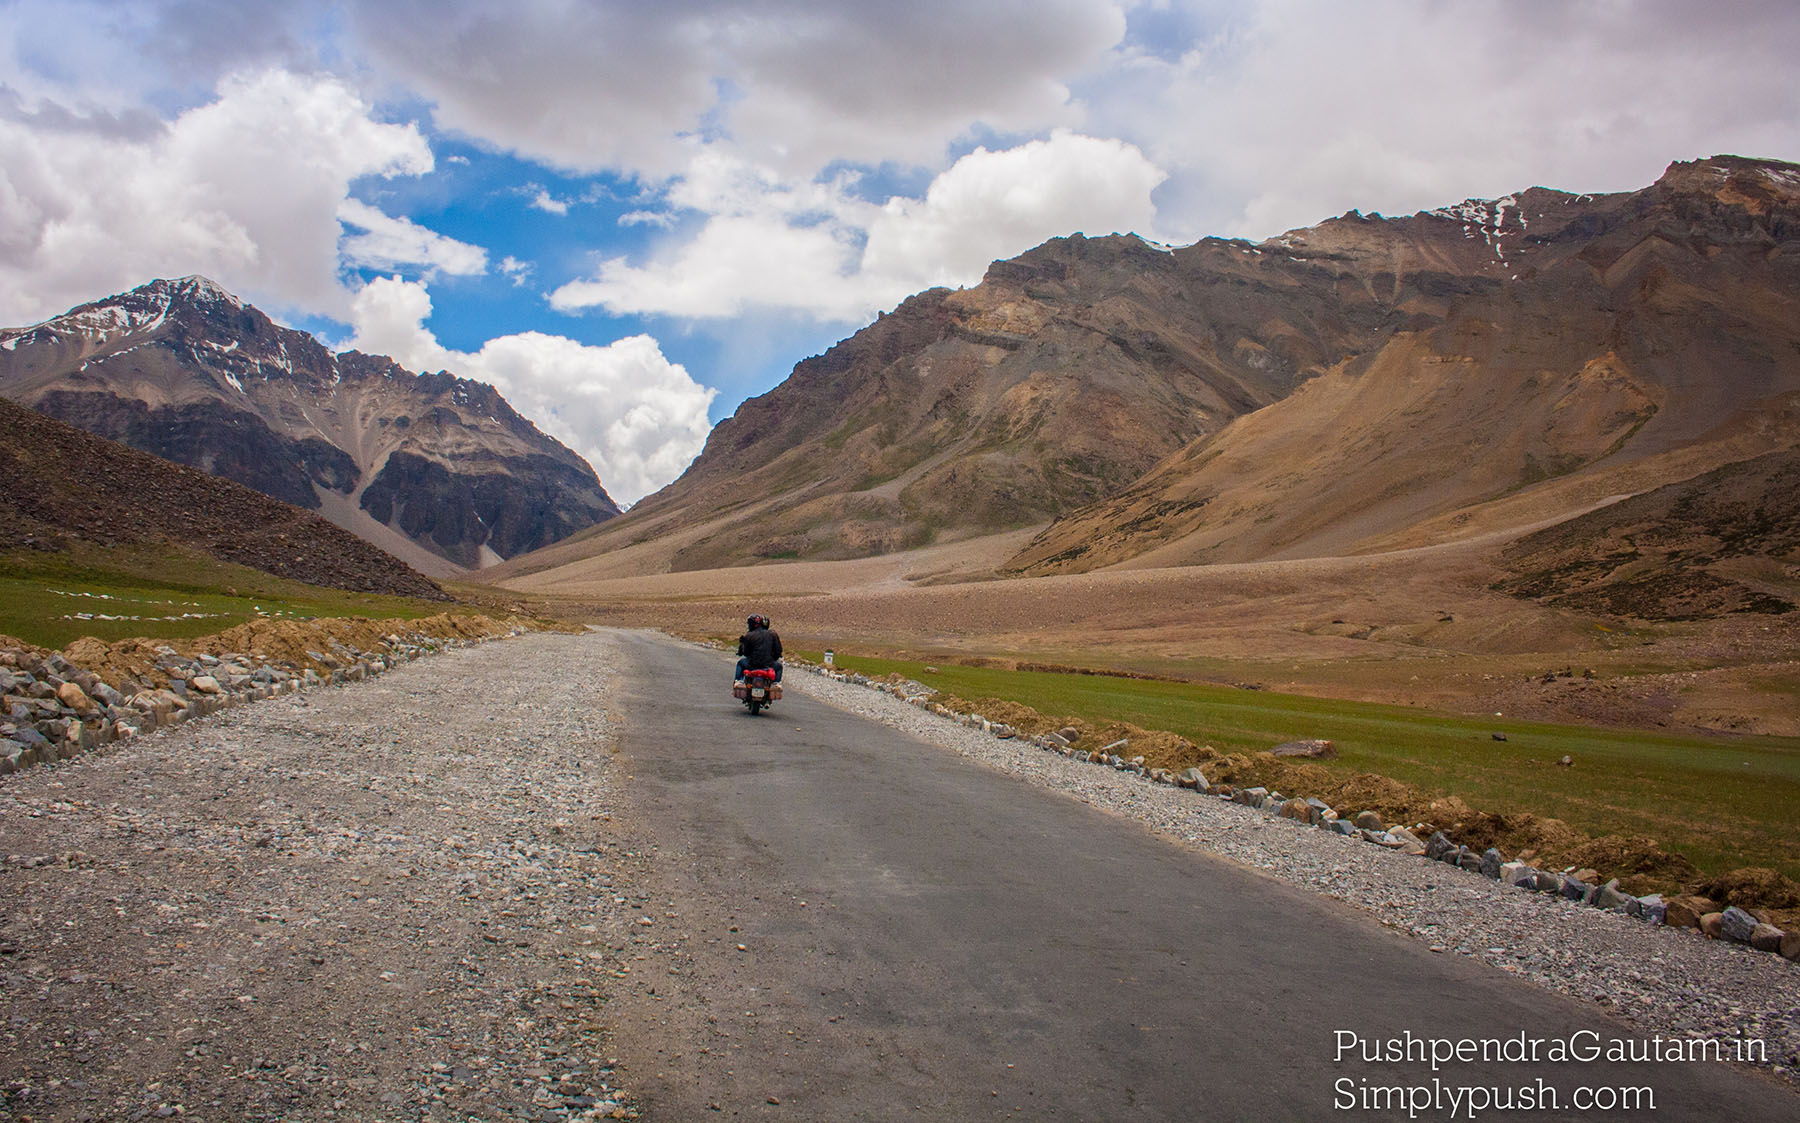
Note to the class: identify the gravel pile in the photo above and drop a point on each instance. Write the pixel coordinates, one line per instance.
(1658, 979)
(399, 899)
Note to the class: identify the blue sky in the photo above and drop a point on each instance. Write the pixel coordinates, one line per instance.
(630, 217)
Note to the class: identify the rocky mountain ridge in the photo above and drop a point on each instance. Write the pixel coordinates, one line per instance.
(1366, 383)
(437, 469)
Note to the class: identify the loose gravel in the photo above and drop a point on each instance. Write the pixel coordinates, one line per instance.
(1659, 980)
(392, 900)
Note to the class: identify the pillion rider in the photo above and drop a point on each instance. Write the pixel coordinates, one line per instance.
(759, 648)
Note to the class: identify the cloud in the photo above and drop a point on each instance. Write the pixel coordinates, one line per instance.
(788, 84)
(819, 250)
(518, 271)
(638, 418)
(388, 242)
(542, 200)
(246, 189)
(1281, 113)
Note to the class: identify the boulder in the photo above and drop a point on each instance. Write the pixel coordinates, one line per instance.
(1612, 897)
(1686, 911)
(72, 696)
(1436, 846)
(1368, 821)
(1574, 888)
(204, 684)
(1491, 861)
(1193, 778)
(1790, 944)
(1736, 924)
(1069, 734)
(1002, 731)
(1514, 873)
(1766, 937)
(1309, 750)
(1545, 882)
(1295, 809)
(1592, 877)
(1712, 925)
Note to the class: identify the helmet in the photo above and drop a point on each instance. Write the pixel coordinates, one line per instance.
(756, 622)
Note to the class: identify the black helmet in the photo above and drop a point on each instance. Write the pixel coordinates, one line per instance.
(756, 622)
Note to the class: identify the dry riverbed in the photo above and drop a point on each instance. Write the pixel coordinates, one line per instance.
(399, 899)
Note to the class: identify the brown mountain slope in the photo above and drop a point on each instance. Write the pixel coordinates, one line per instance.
(1726, 541)
(1541, 353)
(437, 468)
(62, 483)
(1062, 377)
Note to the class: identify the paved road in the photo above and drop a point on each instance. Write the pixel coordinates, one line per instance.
(924, 938)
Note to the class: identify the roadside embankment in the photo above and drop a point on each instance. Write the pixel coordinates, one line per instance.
(56, 705)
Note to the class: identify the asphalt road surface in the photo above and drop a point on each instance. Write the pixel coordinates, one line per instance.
(859, 926)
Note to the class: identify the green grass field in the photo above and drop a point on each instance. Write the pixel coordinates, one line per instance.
(51, 599)
(1720, 801)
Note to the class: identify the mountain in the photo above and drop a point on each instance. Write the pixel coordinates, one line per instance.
(1362, 384)
(436, 469)
(63, 483)
(1060, 379)
(1533, 357)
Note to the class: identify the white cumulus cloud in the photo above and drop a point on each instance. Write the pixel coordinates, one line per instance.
(816, 249)
(387, 242)
(245, 189)
(638, 418)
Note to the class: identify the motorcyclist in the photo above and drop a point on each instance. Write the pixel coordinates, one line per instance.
(759, 648)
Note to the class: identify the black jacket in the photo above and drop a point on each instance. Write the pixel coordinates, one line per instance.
(761, 648)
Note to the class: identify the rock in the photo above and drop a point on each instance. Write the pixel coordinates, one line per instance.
(1712, 925)
(1652, 909)
(1491, 861)
(1686, 911)
(1588, 875)
(1574, 888)
(1767, 937)
(1368, 821)
(1193, 778)
(1311, 750)
(1121, 743)
(1251, 797)
(204, 684)
(1069, 734)
(1407, 840)
(1499, 736)
(1435, 847)
(1342, 826)
(1611, 896)
(1736, 924)
(1296, 809)
(1545, 882)
(1471, 861)
(72, 696)
(1004, 732)
(1515, 873)
(1790, 944)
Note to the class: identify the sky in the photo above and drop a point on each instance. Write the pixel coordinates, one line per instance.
(629, 217)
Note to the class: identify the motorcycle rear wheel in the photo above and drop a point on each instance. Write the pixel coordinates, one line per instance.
(755, 707)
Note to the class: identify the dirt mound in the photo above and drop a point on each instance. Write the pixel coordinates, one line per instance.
(1159, 749)
(1754, 887)
(319, 645)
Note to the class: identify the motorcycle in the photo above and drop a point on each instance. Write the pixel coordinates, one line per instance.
(758, 691)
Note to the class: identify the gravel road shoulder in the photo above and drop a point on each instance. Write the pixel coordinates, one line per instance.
(1658, 980)
(399, 899)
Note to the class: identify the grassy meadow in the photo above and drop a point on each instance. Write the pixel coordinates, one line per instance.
(51, 599)
(1721, 801)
